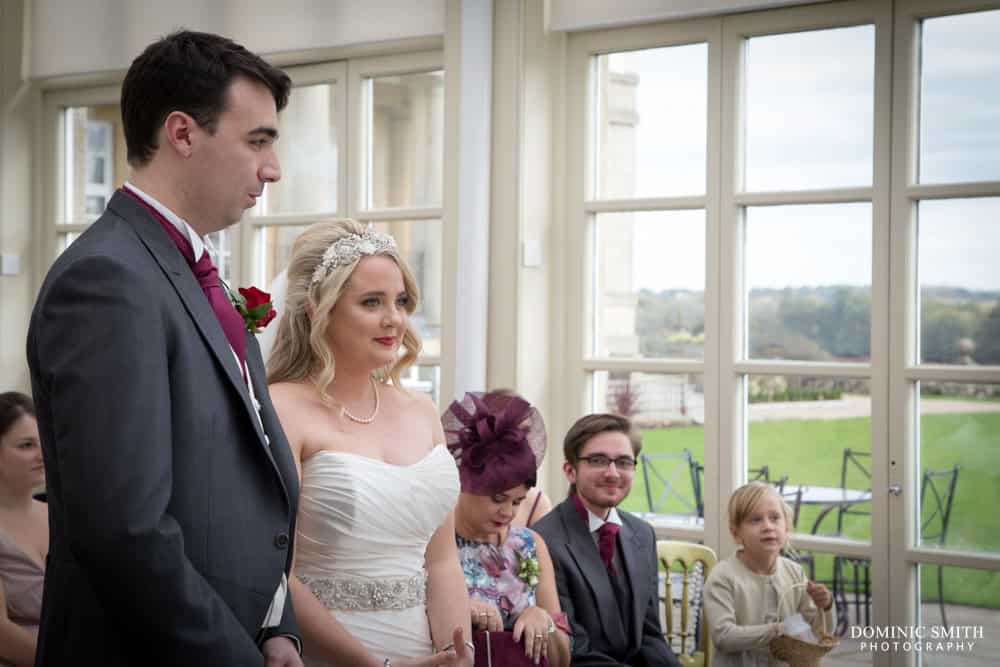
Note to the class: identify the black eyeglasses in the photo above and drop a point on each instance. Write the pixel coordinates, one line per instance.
(601, 462)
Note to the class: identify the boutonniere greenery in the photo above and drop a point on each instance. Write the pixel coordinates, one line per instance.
(527, 570)
(254, 306)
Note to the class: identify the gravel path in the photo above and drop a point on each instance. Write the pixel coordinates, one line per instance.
(859, 406)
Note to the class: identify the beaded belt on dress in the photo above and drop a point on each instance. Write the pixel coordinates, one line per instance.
(362, 594)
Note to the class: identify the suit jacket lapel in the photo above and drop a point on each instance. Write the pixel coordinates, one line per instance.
(636, 571)
(183, 281)
(277, 445)
(269, 419)
(583, 550)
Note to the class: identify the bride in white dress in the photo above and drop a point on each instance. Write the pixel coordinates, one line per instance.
(377, 580)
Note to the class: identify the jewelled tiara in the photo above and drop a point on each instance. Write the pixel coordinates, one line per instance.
(349, 248)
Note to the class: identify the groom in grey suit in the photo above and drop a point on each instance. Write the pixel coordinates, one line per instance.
(604, 558)
(171, 489)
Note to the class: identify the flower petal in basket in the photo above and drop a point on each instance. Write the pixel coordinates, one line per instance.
(798, 653)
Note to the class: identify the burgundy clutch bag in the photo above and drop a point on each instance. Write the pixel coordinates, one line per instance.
(498, 649)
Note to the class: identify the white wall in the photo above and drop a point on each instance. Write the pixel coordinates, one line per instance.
(572, 15)
(78, 36)
(18, 107)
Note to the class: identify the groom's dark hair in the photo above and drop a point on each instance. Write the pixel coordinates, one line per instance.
(190, 72)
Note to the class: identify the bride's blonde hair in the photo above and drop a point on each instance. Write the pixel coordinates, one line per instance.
(301, 350)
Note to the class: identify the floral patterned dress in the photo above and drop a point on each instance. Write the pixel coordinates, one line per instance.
(505, 575)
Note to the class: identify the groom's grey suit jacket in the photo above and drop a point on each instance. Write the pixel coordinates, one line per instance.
(171, 512)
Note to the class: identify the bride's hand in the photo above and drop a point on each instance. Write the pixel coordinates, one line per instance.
(456, 655)
(485, 616)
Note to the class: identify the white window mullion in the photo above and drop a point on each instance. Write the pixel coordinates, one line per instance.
(648, 204)
(918, 192)
(798, 197)
(644, 365)
(716, 524)
(954, 558)
(819, 369)
(901, 335)
(732, 331)
(883, 468)
(959, 374)
(405, 213)
(574, 283)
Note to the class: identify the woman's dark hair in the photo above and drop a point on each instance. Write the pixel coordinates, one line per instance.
(190, 72)
(14, 405)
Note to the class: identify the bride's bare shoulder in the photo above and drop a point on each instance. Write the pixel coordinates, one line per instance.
(414, 407)
(294, 396)
(408, 400)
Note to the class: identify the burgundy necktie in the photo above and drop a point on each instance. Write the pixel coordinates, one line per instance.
(606, 535)
(207, 275)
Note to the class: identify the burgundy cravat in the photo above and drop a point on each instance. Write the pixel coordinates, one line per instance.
(606, 535)
(208, 278)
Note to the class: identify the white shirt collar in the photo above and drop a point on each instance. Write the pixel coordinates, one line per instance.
(198, 244)
(596, 522)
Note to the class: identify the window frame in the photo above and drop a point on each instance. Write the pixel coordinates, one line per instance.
(358, 71)
(251, 226)
(53, 167)
(348, 73)
(583, 207)
(906, 369)
(893, 194)
(737, 367)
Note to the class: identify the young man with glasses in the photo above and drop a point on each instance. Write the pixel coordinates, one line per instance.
(605, 559)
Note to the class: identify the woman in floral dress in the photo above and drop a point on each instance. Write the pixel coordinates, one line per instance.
(498, 440)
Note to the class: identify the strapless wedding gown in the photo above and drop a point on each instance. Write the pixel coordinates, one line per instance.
(362, 531)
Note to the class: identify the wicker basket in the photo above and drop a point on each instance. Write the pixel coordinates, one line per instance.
(798, 653)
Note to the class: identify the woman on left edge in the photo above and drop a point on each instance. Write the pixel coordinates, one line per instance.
(24, 530)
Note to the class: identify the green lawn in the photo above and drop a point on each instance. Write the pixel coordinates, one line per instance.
(811, 452)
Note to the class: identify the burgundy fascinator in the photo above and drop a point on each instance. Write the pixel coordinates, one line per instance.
(497, 439)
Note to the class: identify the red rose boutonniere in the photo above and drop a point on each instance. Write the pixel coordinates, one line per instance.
(255, 307)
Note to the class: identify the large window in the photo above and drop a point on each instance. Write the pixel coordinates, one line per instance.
(364, 139)
(361, 138)
(643, 210)
(91, 164)
(945, 389)
(783, 228)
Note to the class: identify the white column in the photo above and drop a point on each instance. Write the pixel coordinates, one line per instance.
(19, 214)
(468, 57)
(527, 316)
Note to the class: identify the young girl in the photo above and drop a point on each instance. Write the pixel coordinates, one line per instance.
(743, 592)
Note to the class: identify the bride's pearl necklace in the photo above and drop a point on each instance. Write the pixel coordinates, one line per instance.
(370, 418)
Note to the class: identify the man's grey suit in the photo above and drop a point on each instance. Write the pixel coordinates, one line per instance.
(600, 634)
(171, 512)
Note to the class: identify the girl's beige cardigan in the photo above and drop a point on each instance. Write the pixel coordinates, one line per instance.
(735, 600)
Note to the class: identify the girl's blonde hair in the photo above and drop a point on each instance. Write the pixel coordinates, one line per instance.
(301, 350)
(746, 498)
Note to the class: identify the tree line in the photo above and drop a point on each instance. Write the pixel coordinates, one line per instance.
(957, 326)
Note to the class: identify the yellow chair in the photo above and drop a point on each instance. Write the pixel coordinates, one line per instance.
(687, 554)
